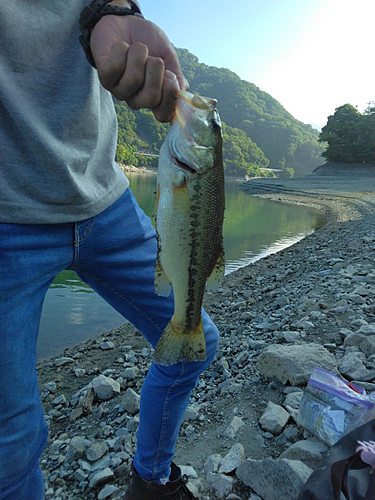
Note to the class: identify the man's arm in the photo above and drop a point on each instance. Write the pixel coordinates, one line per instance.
(137, 63)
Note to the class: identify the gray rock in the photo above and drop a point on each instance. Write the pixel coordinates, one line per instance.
(130, 373)
(96, 451)
(212, 463)
(102, 477)
(107, 491)
(63, 361)
(367, 329)
(344, 332)
(274, 479)
(274, 419)
(354, 339)
(221, 485)
(367, 345)
(234, 427)
(187, 470)
(50, 386)
(304, 324)
(107, 345)
(76, 449)
(294, 363)
(79, 475)
(102, 463)
(105, 388)
(191, 413)
(79, 372)
(293, 400)
(60, 400)
(232, 459)
(308, 451)
(351, 365)
(291, 336)
(355, 298)
(131, 401)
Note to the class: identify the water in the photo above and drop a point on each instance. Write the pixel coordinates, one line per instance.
(253, 228)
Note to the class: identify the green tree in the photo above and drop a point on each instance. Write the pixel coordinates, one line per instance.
(350, 135)
(125, 153)
(241, 156)
(151, 132)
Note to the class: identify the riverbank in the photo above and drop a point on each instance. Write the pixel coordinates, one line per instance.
(342, 191)
(311, 295)
(139, 170)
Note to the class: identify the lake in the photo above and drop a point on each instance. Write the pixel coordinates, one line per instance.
(253, 228)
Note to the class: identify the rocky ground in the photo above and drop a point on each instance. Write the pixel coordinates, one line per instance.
(312, 304)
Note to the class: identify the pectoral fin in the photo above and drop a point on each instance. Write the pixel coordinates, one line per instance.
(217, 275)
(161, 283)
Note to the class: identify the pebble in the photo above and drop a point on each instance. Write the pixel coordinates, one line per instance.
(107, 345)
(105, 388)
(236, 424)
(274, 419)
(63, 361)
(233, 459)
(131, 401)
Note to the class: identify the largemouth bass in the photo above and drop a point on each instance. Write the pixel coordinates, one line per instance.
(189, 218)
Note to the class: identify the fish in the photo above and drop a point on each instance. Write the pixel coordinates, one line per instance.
(189, 215)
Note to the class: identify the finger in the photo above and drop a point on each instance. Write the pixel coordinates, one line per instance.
(165, 110)
(124, 73)
(150, 95)
(111, 68)
(172, 64)
(184, 84)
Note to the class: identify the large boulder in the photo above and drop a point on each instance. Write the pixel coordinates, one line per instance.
(294, 363)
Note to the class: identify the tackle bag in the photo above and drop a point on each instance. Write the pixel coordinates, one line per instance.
(348, 470)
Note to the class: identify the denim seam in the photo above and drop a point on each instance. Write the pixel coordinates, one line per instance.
(88, 230)
(119, 294)
(165, 416)
(78, 239)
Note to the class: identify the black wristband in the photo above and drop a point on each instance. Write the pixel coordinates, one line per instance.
(93, 12)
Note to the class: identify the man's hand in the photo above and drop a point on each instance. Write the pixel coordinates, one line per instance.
(137, 63)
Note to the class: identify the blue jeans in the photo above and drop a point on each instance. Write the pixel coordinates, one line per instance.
(114, 253)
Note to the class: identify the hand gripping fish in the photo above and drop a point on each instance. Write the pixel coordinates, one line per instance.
(189, 218)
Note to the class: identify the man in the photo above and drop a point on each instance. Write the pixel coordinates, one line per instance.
(65, 204)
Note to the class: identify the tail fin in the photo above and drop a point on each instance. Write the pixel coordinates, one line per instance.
(176, 345)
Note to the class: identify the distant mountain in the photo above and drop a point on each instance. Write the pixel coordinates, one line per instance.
(258, 131)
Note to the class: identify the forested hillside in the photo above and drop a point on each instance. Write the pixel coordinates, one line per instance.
(258, 131)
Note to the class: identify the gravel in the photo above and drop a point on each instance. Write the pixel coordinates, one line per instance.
(316, 297)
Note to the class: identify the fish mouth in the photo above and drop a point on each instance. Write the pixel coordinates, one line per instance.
(183, 166)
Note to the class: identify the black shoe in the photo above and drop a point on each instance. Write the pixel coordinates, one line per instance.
(175, 489)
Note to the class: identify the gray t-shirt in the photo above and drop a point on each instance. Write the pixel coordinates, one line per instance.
(58, 128)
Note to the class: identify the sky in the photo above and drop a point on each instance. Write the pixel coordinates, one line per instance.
(311, 55)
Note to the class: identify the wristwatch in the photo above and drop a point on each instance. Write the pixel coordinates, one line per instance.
(93, 12)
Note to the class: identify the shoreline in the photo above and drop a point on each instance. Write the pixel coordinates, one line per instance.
(316, 291)
(341, 192)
